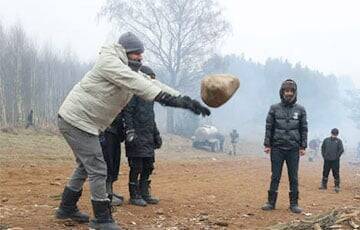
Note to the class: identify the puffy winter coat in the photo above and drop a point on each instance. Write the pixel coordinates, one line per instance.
(139, 115)
(286, 125)
(105, 90)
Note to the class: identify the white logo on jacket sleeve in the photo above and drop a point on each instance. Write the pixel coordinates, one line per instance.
(296, 116)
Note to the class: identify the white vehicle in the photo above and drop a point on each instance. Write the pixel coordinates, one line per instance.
(206, 137)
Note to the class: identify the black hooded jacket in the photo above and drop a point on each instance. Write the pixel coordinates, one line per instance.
(286, 123)
(139, 115)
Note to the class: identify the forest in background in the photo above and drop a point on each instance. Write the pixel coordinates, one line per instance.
(38, 77)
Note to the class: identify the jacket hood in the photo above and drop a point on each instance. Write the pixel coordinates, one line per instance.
(289, 83)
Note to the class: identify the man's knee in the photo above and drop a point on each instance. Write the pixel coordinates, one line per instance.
(148, 170)
(294, 181)
(96, 167)
(149, 163)
(274, 185)
(79, 176)
(275, 180)
(136, 168)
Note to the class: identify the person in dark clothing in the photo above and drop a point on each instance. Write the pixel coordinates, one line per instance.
(314, 145)
(234, 136)
(221, 138)
(358, 152)
(30, 119)
(285, 139)
(331, 149)
(110, 141)
(142, 138)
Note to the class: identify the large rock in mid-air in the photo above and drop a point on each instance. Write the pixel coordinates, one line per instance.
(217, 89)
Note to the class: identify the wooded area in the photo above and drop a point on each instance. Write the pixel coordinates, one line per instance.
(38, 77)
(33, 77)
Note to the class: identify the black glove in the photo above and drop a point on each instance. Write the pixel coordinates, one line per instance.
(157, 141)
(130, 136)
(184, 102)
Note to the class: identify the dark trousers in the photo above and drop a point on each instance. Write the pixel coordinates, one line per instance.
(278, 157)
(140, 166)
(110, 144)
(334, 166)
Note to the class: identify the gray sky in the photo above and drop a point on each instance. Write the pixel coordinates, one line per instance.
(322, 34)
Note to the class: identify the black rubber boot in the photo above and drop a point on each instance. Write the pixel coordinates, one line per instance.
(116, 200)
(294, 207)
(323, 185)
(68, 208)
(270, 205)
(135, 197)
(145, 193)
(337, 186)
(103, 219)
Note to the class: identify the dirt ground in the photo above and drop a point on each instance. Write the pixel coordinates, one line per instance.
(198, 190)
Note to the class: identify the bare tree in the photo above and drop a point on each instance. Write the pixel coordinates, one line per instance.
(3, 120)
(180, 35)
(33, 80)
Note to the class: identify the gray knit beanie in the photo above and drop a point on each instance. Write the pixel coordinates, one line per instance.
(131, 43)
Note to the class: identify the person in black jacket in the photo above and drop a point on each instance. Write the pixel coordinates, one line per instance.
(234, 136)
(142, 138)
(30, 120)
(285, 139)
(331, 149)
(358, 152)
(314, 145)
(110, 141)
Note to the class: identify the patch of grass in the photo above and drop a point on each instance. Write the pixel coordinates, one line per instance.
(31, 145)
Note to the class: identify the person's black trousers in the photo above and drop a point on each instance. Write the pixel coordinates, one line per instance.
(278, 157)
(142, 166)
(334, 166)
(110, 144)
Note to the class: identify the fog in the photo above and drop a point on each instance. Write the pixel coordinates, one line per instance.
(316, 43)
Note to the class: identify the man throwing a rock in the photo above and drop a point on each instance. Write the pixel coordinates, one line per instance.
(90, 107)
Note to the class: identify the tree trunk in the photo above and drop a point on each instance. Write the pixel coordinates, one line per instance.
(2, 105)
(170, 120)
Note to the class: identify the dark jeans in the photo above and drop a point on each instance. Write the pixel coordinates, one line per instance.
(334, 166)
(291, 157)
(110, 145)
(142, 166)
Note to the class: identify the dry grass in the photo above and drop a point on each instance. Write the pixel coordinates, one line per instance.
(29, 146)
